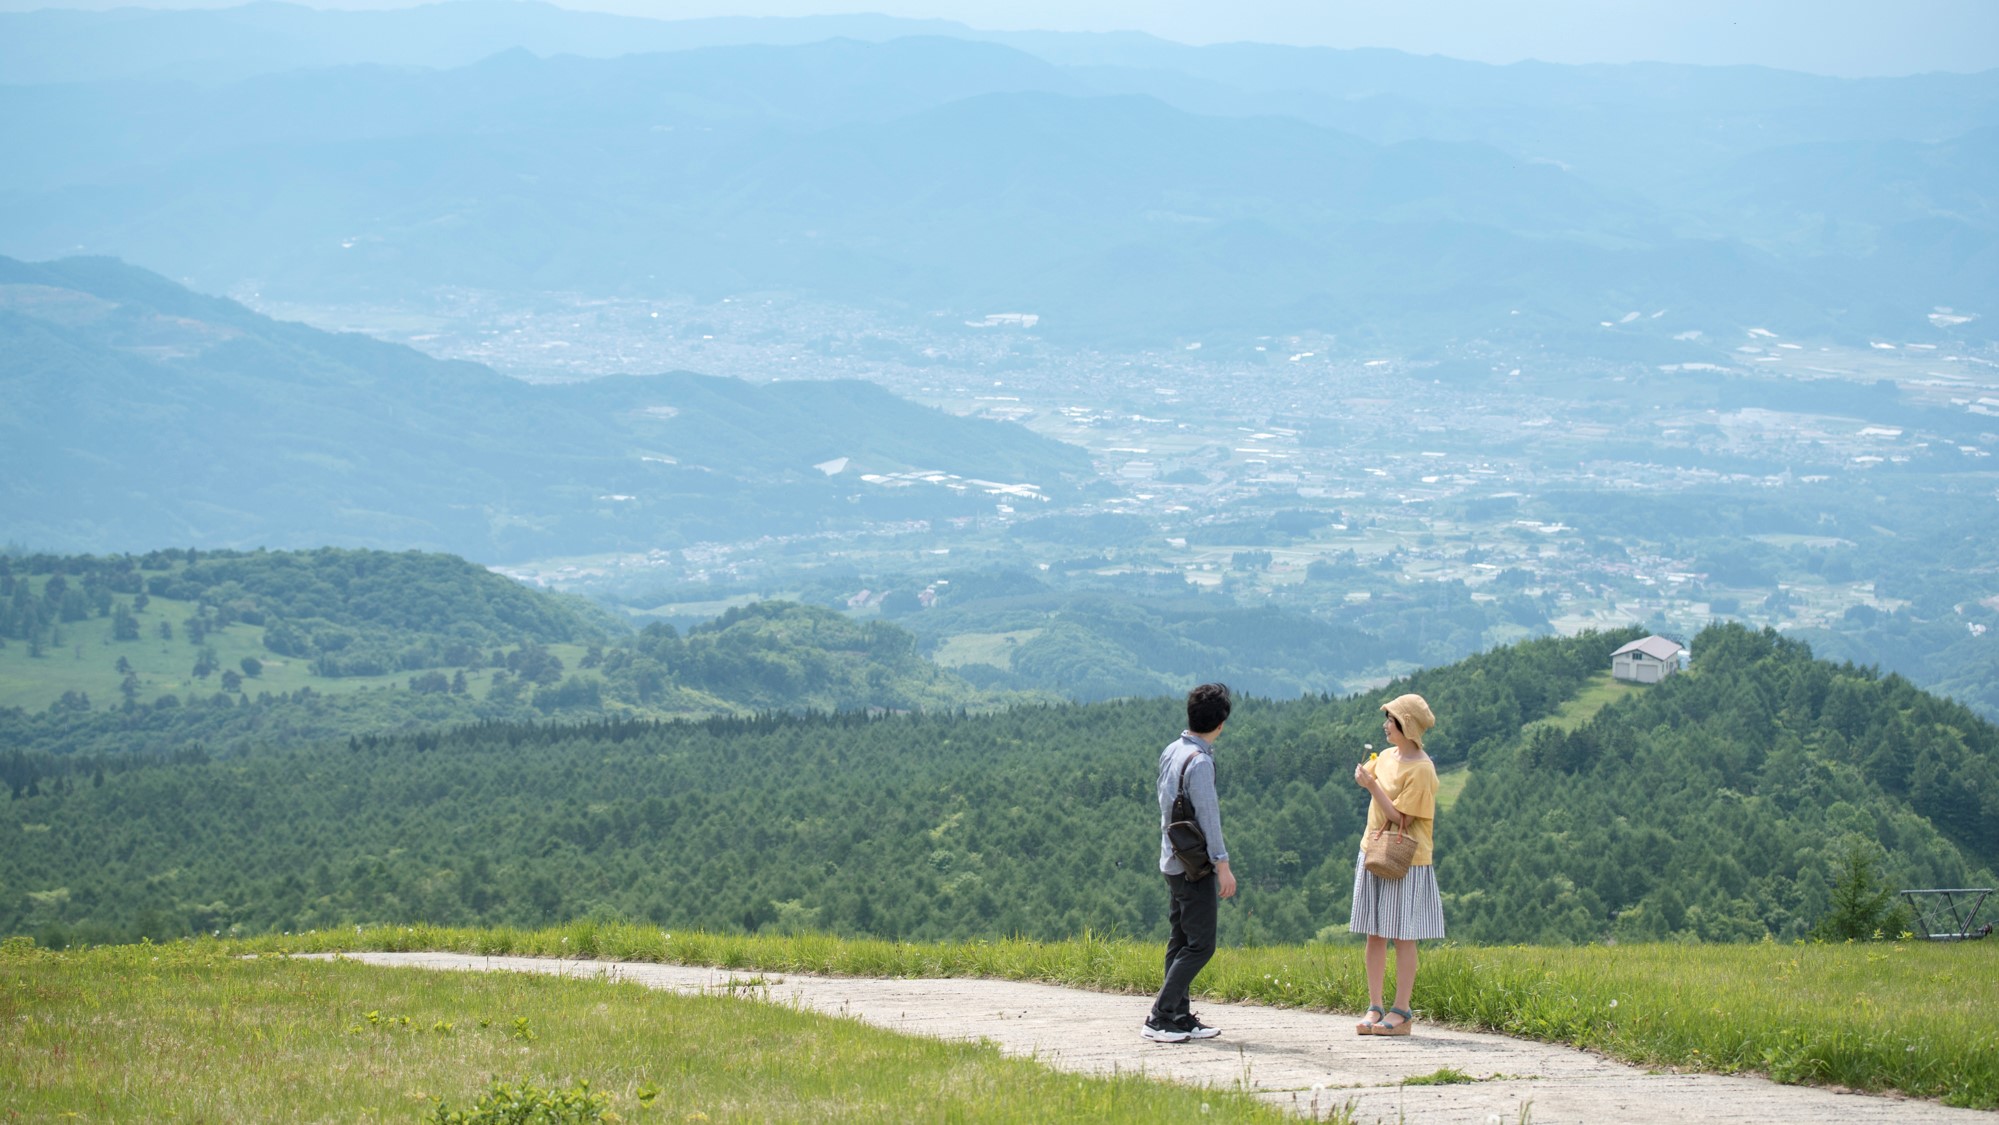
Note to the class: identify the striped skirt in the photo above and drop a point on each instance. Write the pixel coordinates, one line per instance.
(1401, 909)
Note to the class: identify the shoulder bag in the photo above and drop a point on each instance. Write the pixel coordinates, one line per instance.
(1189, 843)
(1388, 857)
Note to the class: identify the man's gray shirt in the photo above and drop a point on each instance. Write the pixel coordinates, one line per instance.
(1200, 791)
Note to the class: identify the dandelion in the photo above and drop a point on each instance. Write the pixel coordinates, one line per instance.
(1613, 1003)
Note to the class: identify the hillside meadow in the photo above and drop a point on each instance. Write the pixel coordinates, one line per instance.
(1917, 1018)
(269, 1038)
(1921, 1018)
(84, 659)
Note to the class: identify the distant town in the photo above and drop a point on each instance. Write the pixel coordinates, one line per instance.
(1404, 469)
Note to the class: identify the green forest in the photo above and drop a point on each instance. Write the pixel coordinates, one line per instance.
(1724, 804)
(177, 652)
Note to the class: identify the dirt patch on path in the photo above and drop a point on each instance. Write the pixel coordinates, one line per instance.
(1308, 1062)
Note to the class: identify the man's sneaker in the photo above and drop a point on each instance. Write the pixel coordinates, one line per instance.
(1160, 1032)
(1195, 1029)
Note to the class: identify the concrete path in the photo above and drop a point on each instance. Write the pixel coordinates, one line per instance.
(1308, 1062)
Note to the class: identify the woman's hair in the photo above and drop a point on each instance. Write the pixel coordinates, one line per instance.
(1207, 707)
(1397, 722)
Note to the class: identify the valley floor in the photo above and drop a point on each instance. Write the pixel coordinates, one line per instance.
(1308, 1062)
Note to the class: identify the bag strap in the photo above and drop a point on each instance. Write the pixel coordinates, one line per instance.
(1180, 790)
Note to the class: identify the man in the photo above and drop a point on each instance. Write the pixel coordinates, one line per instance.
(1194, 902)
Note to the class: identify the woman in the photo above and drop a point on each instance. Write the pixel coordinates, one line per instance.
(1403, 783)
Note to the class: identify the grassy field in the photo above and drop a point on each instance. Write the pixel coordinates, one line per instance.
(86, 660)
(196, 1032)
(1915, 1017)
(1451, 785)
(996, 649)
(1601, 691)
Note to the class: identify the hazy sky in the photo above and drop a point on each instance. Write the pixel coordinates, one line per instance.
(1843, 37)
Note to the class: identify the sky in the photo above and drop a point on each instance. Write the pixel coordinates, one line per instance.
(1848, 38)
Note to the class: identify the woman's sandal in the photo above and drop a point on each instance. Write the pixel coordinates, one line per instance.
(1385, 1028)
(1367, 1026)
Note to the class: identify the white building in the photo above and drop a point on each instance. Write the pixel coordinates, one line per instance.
(1646, 660)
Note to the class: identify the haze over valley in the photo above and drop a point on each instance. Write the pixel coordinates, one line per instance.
(1056, 349)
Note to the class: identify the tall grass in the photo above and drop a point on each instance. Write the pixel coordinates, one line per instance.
(1919, 1018)
(195, 1031)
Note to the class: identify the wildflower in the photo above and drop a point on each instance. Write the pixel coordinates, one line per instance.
(1613, 1003)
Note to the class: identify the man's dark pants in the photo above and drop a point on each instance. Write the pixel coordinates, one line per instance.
(1190, 946)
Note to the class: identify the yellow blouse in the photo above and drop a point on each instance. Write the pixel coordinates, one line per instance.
(1412, 785)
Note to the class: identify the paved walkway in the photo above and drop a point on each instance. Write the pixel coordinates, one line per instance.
(1310, 1062)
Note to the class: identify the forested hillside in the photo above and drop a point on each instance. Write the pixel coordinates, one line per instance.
(1092, 645)
(174, 650)
(1718, 805)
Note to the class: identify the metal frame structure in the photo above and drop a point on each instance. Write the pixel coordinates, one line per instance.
(1949, 914)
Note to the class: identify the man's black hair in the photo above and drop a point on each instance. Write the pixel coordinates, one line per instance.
(1207, 707)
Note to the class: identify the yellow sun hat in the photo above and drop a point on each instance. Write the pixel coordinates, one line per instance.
(1412, 713)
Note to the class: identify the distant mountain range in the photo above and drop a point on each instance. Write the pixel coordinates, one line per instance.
(1124, 188)
(273, 434)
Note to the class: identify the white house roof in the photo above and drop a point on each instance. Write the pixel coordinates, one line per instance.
(1656, 647)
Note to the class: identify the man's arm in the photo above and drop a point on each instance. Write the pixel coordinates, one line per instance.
(1208, 812)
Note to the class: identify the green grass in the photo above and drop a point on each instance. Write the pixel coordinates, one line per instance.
(86, 660)
(1442, 1076)
(193, 1032)
(1916, 1017)
(1451, 785)
(996, 649)
(1602, 690)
